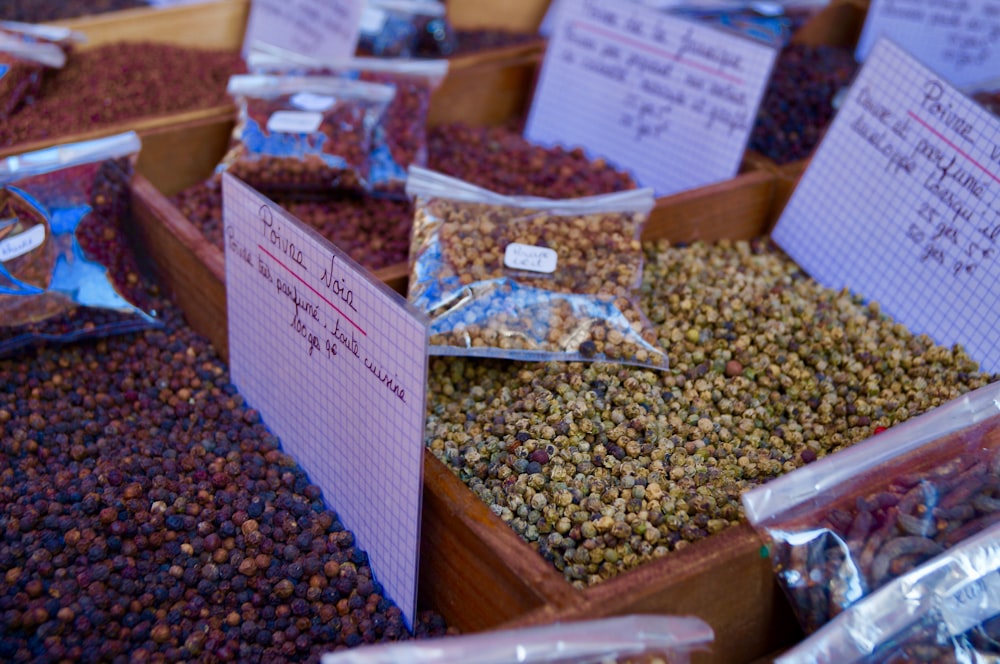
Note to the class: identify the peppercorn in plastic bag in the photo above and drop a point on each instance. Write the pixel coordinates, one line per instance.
(845, 525)
(304, 134)
(530, 278)
(67, 271)
(618, 640)
(406, 29)
(399, 140)
(945, 610)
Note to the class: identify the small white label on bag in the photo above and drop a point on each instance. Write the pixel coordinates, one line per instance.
(310, 101)
(294, 122)
(528, 257)
(22, 243)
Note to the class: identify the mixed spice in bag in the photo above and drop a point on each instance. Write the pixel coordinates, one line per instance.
(945, 610)
(845, 525)
(304, 134)
(406, 29)
(399, 139)
(67, 271)
(530, 278)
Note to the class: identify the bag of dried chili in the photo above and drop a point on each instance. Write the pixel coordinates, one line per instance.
(23, 59)
(845, 525)
(67, 271)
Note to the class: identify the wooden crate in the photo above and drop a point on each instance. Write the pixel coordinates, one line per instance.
(516, 15)
(484, 88)
(474, 569)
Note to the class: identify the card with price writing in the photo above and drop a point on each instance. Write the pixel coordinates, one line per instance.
(667, 99)
(318, 29)
(336, 364)
(901, 204)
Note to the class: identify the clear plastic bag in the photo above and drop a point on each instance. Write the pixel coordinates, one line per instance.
(946, 610)
(304, 134)
(406, 29)
(530, 278)
(637, 638)
(67, 271)
(845, 525)
(399, 140)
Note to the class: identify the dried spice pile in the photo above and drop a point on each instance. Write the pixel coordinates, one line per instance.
(122, 81)
(41, 11)
(798, 102)
(602, 467)
(376, 231)
(146, 514)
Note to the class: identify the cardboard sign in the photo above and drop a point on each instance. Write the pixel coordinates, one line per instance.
(336, 363)
(320, 29)
(958, 39)
(667, 99)
(901, 204)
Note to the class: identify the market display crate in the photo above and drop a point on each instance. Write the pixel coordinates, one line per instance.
(475, 570)
(486, 86)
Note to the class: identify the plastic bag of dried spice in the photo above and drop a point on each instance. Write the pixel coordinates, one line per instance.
(845, 525)
(304, 134)
(619, 639)
(406, 29)
(945, 610)
(66, 269)
(399, 139)
(530, 278)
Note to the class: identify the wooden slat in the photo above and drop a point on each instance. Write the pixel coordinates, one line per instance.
(518, 15)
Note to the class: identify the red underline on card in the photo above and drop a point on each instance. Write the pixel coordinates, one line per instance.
(659, 51)
(952, 145)
(318, 294)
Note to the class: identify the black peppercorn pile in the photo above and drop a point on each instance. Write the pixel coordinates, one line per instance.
(376, 231)
(798, 102)
(146, 514)
(122, 81)
(40, 11)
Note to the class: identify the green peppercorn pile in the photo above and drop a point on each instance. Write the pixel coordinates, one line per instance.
(146, 514)
(602, 467)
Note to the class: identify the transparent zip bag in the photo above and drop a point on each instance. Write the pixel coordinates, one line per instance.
(635, 639)
(946, 610)
(530, 278)
(304, 134)
(67, 270)
(847, 524)
(399, 139)
(406, 29)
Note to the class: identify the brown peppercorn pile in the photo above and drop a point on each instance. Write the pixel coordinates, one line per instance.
(146, 514)
(122, 81)
(41, 11)
(602, 467)
(376, 232)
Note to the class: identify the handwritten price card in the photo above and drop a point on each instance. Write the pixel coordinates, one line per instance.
(901, 204)
(958, 39)
(670, 100)
(319, 29)
(336, 363)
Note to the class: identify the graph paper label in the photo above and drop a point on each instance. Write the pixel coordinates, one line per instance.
(336, 363)
(958, 39)
(901, 204)
(669, 100)
(320, 29)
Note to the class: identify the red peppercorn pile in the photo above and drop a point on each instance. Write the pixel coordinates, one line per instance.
(146, 514)
(376, 231)
(122, 81)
